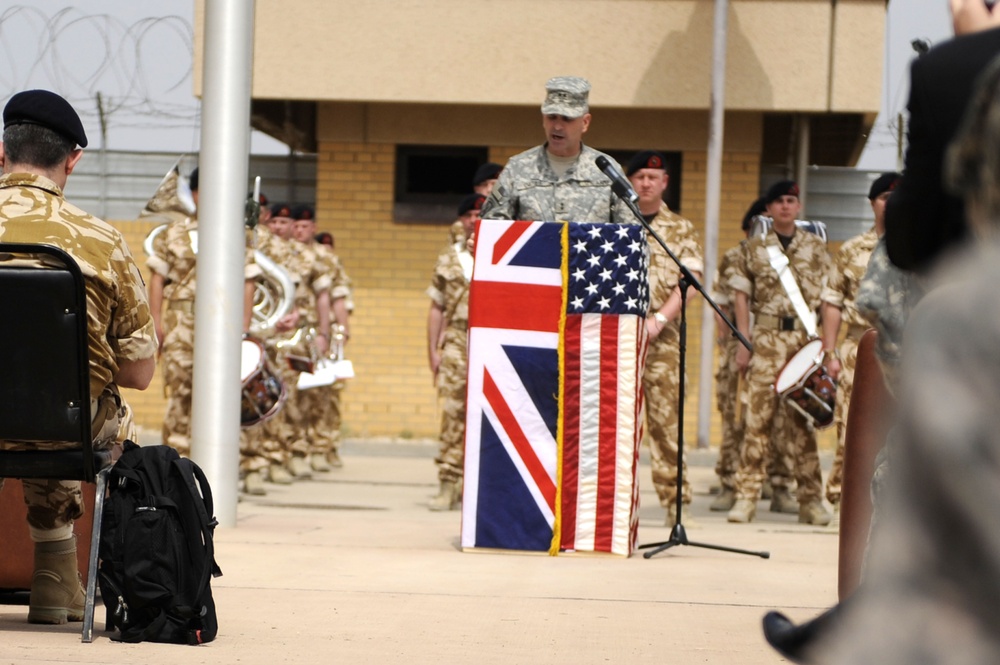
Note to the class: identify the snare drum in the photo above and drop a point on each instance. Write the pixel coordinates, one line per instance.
(804, 384)
(263, 394)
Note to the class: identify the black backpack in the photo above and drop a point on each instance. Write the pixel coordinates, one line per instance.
(157, 555)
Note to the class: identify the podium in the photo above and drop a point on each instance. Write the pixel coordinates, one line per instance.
(17, 549)
(557, 341)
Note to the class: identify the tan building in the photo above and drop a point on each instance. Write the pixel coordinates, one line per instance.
(399, 98)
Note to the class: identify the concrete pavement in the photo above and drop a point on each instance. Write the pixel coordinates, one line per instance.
(351, 567)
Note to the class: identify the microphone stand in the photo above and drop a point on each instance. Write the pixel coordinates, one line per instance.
(678, 535)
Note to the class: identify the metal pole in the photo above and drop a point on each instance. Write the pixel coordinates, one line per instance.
(225, 147)
(713, 188)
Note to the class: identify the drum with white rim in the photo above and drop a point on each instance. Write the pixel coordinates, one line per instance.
(263, 394)
(804, 384)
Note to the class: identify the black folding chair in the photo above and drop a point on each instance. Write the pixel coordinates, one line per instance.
(45, 391)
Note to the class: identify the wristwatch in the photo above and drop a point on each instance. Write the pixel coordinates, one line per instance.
(662, 319)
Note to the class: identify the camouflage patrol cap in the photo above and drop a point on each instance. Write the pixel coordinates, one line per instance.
(45, 109)
(566, 96)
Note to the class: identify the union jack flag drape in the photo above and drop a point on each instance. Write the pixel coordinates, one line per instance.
(556, 347)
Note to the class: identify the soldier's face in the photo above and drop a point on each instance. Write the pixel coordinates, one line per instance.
(784, 209)
(878, 207)
(281, 227)
(485, 187)
(564, 135)
(649, 184)
(304, 230)
(469, 220)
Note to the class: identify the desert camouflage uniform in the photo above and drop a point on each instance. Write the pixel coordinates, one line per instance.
(322, 403)
(810, 263)
(841, 291)
(120, 326)
(727, 378)
(175, 253)
(661, 375)
(449, 290)
(529, 189)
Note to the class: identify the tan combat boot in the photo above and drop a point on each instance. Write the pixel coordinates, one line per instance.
(253, 484)
(318, 463)
(782, 501)
(724, 502)
(57, 594)
(299, 468)
(686, 518)
(834, 524)
(279, 475)
(448, 497)
(813, 512)
(743, 511)
(333, 457)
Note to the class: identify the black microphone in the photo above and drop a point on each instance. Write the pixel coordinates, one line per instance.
(619, 185)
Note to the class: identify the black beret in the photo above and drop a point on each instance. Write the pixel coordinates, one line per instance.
(779, 189)
(471, 202)
(487, 171)
(281, 210)
(263, 199)
(193, 180)
(46, 109)
(884, 183)
(303, 212)
(647, 159)
(758, 207)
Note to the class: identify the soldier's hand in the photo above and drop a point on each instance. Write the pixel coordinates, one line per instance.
(434, 359)
(288, 322)
(833, 367)
(322, 345)
(742, 359)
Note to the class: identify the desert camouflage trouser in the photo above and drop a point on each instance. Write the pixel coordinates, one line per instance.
(328, 425)
(451, 391)
(54, 504)
(845, 384)
(765, 410)
(283, 433)
(178, 363)
(253, 455)
(660, 383)
(780, 465)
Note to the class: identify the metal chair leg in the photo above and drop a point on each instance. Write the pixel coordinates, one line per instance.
(95, 541)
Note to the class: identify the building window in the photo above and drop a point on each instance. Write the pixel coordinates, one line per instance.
(672, 197)
(431, 181)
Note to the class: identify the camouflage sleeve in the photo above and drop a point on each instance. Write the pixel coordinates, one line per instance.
(740, 278)
(439, 282)
(836, 287)
(130, 331)
(621, 213)
(250, 268)
(340, 283)
(690, 252)
(502, 201)
(157, 262)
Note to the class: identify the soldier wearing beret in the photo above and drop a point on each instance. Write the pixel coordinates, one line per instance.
(558, 181)
(485, 177)
(839, 297)
(778, 332)
(447, 351)
(647, 171)
(39, 152)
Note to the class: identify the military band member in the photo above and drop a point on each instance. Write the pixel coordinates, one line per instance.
(558, 181)
(778, 333)
(447, 352)
(661, 379)
(38, 154)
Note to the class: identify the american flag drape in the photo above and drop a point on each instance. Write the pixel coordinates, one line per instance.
(556, 346)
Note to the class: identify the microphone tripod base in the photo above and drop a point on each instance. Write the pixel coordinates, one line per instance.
(678, 536)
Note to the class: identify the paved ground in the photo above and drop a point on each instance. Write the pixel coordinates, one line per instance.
(351, 567)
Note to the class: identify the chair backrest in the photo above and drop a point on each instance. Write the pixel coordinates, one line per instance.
(44, 362)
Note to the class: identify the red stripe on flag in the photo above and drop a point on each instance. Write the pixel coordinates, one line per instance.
(571, 430)
(607, 446)
(510, 425)
(507, 240)
(515, 306)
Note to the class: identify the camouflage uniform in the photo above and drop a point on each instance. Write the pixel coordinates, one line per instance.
(528, 188)
(772, 348)
(175, 254)
(32, 210)
(661, 375)
(727, 378)
(449, 290)
(841, 291)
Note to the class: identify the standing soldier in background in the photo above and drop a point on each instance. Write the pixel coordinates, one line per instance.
(778, 333)
(558, 181)
(661, 379)
(172, 284)
(838, 307)
(321, 405)
(447, 352)
(482, 183)
(38, 154)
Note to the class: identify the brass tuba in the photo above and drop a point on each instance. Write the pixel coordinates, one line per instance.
(274, 292)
